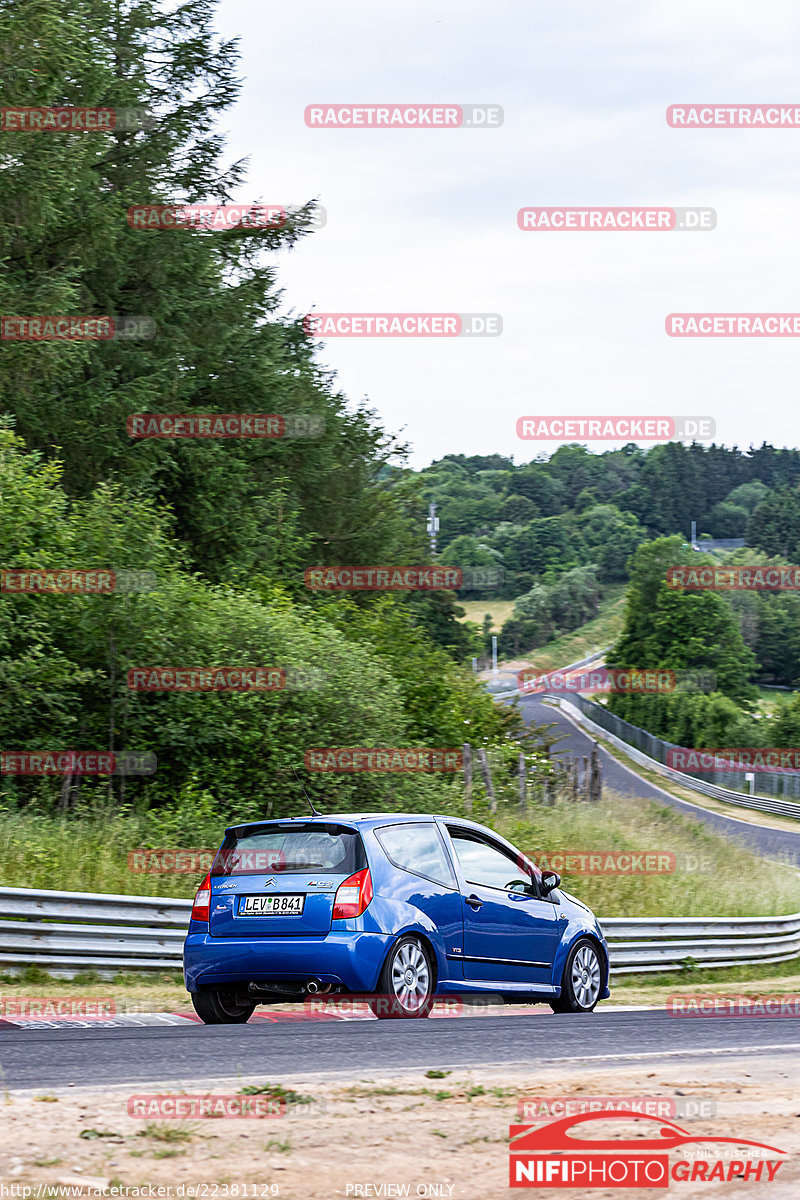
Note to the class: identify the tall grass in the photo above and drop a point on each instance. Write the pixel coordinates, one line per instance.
(87, 851)
(713, 876)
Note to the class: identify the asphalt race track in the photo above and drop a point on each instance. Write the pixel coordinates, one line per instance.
(773, 843)
(95, 1057)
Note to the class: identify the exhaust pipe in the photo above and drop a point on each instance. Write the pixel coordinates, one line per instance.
(312, 987)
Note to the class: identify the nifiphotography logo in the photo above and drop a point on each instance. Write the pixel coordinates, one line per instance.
(565, 1153)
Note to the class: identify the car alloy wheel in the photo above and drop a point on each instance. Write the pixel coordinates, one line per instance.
(586, 976)
(405, 983)
(580, 983)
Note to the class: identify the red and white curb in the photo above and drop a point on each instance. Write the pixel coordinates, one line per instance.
(279, 1016)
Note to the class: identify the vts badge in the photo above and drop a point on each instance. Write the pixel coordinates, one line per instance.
(560, 1154)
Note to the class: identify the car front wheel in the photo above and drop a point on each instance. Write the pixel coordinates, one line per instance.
(580, 983)
(219, 1006)
(406, 982)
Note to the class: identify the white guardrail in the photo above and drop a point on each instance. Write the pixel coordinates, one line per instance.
(67, 932)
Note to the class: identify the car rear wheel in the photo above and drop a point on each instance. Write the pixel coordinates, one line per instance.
(219, 1006)
(580, 983)
(406, 982)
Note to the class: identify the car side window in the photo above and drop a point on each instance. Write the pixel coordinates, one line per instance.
(417, 848)
(487, 865)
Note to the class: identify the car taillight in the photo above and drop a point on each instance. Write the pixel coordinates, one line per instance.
(201, 900)
(353, 896)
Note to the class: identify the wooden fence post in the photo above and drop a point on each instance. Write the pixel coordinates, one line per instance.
(596, 779)
(522, 782)
(467, 777)
(487, 779)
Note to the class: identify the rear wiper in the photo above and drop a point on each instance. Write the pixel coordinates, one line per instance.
(300, 866)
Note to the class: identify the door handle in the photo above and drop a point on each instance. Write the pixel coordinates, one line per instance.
(474, 902)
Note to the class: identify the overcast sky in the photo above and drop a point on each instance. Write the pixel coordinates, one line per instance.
(425, 220)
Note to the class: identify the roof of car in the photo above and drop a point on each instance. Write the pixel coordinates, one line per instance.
(356, 819)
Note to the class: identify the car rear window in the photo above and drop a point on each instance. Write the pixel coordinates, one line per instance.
(283, 848)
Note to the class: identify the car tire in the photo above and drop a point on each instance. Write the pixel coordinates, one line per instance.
(580, 983)
(406, 982)
(218, 1006)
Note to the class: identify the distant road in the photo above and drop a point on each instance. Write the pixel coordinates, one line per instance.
(773, 843)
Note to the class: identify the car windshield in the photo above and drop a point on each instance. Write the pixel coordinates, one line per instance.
(282, 848)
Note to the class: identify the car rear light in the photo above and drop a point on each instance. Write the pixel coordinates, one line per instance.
(202, 900)
(353, 896)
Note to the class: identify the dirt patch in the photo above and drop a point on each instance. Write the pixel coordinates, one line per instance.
(441, 1134)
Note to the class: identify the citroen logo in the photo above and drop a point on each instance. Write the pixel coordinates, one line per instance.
(269, 882)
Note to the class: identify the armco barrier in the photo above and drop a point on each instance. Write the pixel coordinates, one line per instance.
(67, 932)
(596, 719)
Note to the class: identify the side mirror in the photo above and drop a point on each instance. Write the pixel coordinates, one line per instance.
(550, 880)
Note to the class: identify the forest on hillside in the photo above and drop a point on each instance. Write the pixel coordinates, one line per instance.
(557, 531)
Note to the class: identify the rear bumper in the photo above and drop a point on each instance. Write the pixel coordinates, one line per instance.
(348, 959)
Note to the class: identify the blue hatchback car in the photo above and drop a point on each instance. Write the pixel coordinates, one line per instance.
(400, 908)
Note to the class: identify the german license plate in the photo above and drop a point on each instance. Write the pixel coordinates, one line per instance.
(281, 905)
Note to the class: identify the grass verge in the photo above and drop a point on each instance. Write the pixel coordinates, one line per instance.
(498, 610)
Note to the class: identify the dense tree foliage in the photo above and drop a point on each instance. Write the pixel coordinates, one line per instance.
(371, 674)
(578, 507)
(680, 630)
(550, 609)
(227, 525)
